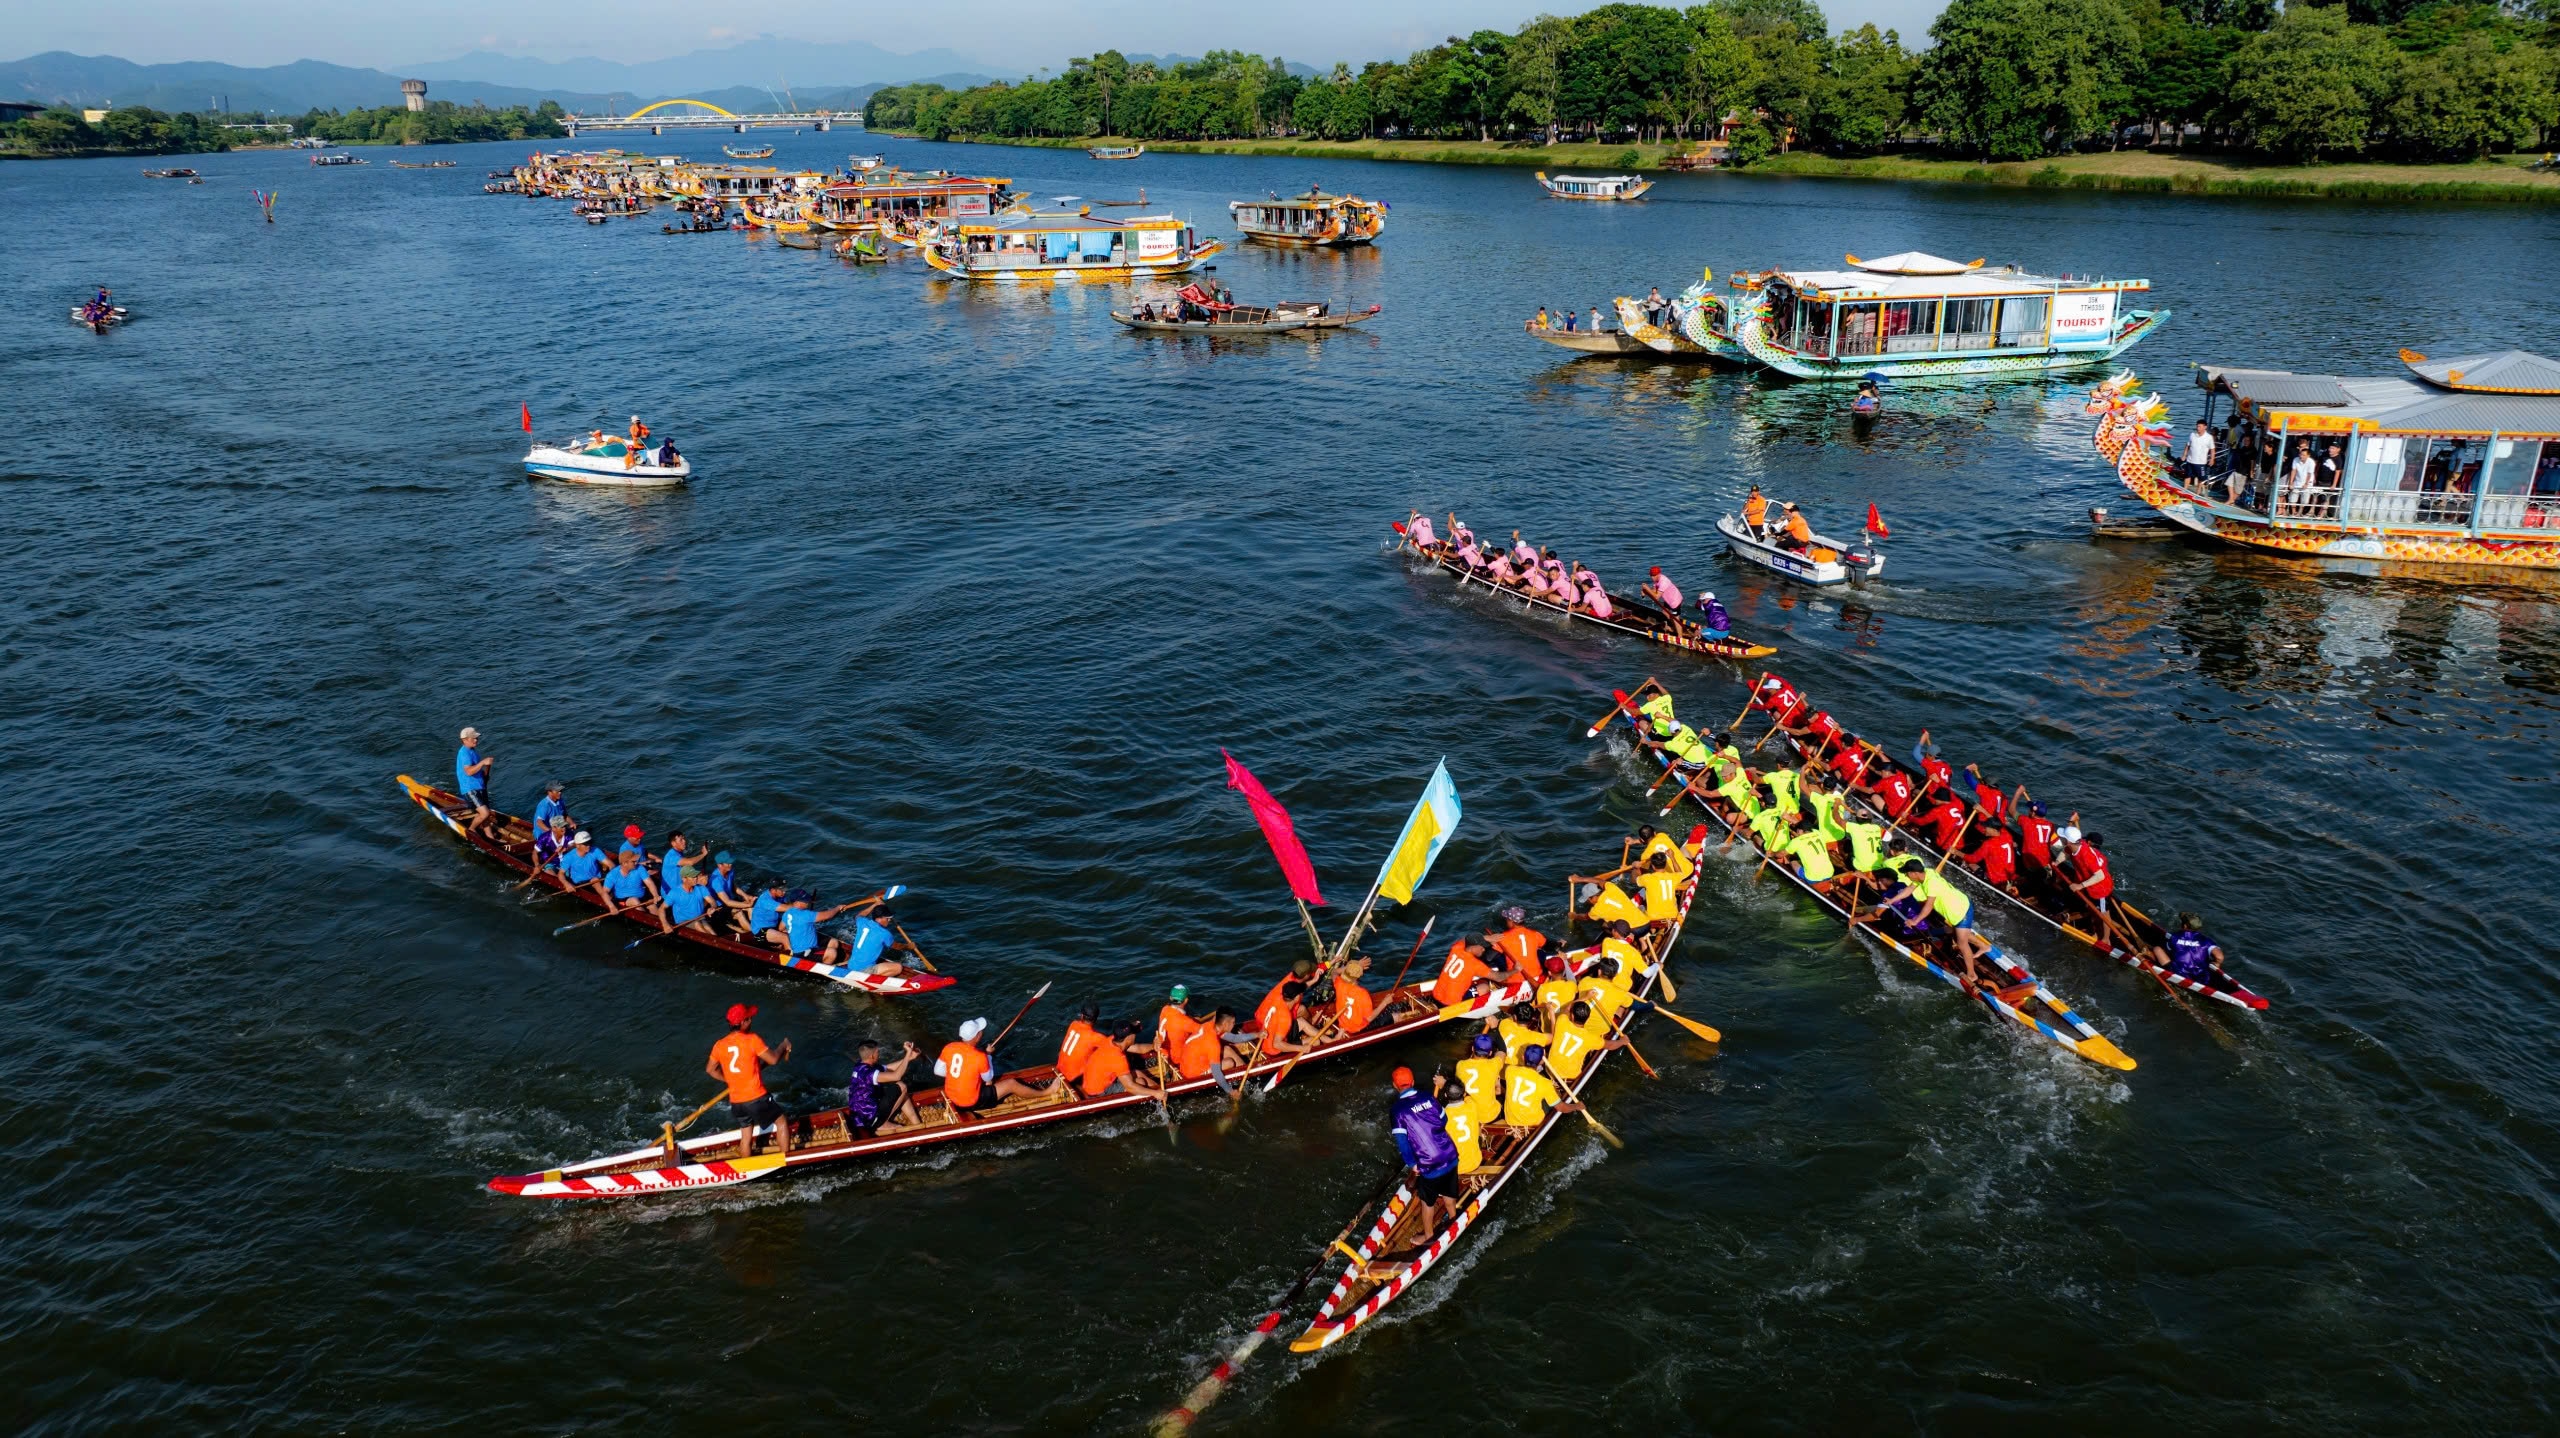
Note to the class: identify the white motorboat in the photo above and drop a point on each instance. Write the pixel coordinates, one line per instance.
(1828, 561)
(580, 462)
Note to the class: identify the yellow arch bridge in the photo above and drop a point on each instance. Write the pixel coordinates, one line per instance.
(703, 115)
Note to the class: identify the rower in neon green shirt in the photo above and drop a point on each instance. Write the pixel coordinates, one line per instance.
(1812, 854)
(1866, 846)
(1657, 712)
(1829, 811)
(1783, 792)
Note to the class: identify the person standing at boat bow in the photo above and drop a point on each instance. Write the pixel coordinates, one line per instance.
(471, 779)
(1421, 1134)
(738, 1061)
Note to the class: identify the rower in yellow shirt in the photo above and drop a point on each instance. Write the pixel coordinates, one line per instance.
(1663, 844)
(1518, 1037)
(1580, 1037)
(1621, 962)
(1605, 901)
(1661, 884)
(1528, 1095)
(1557, 991)
(1466, 1118)
(1481, 1073)
(1604, 998)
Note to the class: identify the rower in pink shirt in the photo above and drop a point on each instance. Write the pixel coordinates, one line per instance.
(1534, 578)
(1523, 551)
(1594, 598)
(1501, 570)
(1418, 529)
(1470, 556)
(1563, 590)
(1662, 591)
(1459, 533)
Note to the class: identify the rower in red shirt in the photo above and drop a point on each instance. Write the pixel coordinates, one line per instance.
(1996, 857)
(1850, 764)
(1893, 792)
(1945, 820)
(1822, 729)
(1983, 793)
(1934, 773)
(2086, 869)
(2035, 836)
(1780, 699)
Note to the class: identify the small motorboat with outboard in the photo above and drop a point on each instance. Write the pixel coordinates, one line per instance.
(610, 459)
(1818, 559)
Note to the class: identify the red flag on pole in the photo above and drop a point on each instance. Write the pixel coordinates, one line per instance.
(528, 417)
(1276, 828)
(1875, 522)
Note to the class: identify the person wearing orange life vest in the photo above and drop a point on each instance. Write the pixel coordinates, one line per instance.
(1458, 976)
(738, 1062)
(1078, 1044)
(968, 1074)
(1755, 513)
(1799, 534)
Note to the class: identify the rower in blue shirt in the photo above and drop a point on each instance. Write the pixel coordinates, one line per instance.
(549, 807)
(687, 902)
(869, 951)
(764, 916)
(671, 867)
(471, 779)
(800, 929)
(628, 886)
(580, 863)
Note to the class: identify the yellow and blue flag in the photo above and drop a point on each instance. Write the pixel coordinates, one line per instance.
(1434, 819)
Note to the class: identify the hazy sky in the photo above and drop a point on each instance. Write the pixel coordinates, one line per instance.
(1007, 34)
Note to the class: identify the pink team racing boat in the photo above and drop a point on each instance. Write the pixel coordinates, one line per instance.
(1538, 579)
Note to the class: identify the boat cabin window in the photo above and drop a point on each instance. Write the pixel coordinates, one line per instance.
(1857, 330)
(2022, 322)
(1910, 326)
(1969, 324)
(2438, 480)
(1799, 324)
(2524, 485)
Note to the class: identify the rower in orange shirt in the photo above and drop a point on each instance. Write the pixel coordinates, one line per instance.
(1276, 1019)
(1203, 1053)
(1109, 1065)
(738, 1061)
(1174, 1023)
(968, 1073)
(1080, 1041)
(1353, 1006)
(1520, 944)
(1465, 965)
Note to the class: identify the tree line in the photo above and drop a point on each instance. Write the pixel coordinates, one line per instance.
(1999, 80)
(441, 123)
(138, 131)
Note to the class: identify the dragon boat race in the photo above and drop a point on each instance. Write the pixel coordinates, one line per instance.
(770, 776)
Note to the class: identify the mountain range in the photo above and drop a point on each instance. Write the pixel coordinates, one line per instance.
(750, 77)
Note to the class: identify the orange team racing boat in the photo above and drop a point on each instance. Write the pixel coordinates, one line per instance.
(1862, 877)
(1503, 1107)
(1080, 1085)
(1547, 583)
(2031, 867)
(509, 840)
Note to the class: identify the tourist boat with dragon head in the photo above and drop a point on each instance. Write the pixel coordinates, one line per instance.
(1115, 152)
(1063, 248)
(2454, 461)
(1313, 220)
(1914, 315)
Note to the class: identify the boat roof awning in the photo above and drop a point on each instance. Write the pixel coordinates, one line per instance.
(2494, 372)
(1047, 224)
(2393, 403)
(1960, 284)
(2275, 387)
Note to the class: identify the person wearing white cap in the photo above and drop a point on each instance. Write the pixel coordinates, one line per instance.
(968, 1074)
(471, 778)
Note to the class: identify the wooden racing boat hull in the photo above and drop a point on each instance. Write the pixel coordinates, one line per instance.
(1356, 1298)
(1635, 618)
(2065, 913)
(2025, 1001)
(699, 1162)
(511, 849)
(1612, 342)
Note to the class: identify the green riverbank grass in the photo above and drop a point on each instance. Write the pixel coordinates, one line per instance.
(2504, 179)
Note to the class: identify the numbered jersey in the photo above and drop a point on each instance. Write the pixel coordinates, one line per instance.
(1467, 1119)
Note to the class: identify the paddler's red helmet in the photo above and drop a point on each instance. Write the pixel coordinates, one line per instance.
(1402, 1078)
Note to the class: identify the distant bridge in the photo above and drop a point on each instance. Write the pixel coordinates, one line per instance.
(647, 118)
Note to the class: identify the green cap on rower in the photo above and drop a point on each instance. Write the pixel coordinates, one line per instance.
(1180, 992)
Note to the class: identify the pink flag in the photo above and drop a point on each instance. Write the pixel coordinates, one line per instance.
(1276, 827)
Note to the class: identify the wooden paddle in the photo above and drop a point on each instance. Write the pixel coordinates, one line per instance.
(901, 931)
(1625, 705)
(590, 919)
(1409, 958)
(1704, 1031)
(1184, 1414)
(1747, 703)
(1582, 1108)
(1036, 996)
(667, 1133)
(1619, 1031)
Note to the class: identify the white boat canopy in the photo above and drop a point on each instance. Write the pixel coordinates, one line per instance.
(1912, 262)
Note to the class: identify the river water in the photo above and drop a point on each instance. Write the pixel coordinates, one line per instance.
(973, 589)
